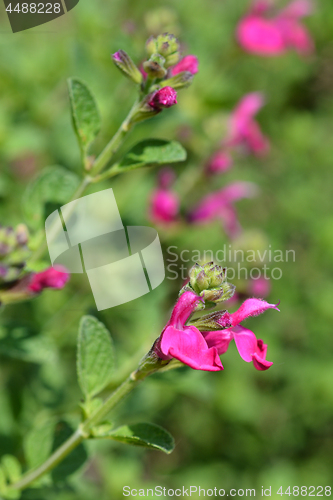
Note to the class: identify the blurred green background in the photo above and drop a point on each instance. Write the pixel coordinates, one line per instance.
(239, 428)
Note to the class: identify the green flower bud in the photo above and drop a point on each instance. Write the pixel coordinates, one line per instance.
(179, 81)
(154, 67)
(127, 66)
(218, 320)
(167, 46)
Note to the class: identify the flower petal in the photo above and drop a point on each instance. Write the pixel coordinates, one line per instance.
(251, 307)
(189, 347)
(261, 363)
(183, 309)
(219, 339)
(246, 342)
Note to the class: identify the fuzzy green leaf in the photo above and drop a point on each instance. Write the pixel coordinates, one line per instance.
(95, 356)
(152, 152)
(53, 185)
(147, 435)
(85, 114)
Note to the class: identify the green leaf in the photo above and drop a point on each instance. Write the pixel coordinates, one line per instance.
(12, 468)
(153, 152)
(147, 435)
(74, 460)
(38, 443)
(53, 185)
(3, 482)
(85, 114)
(95, 356)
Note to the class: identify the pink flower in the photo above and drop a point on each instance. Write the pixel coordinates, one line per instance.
(261, 34)
(53, 277)
(186, 343)
(249, 347)
(164, 203)
(244, 130)
(219, 205)
(188, 63)
(260, 287)
(163, 98)
(219, 162)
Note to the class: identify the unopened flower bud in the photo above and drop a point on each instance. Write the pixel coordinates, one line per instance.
(207, 281)
(167, 46)
(163, 98)
(215, 321)
(154, 67)
(180, 81)
(127, 66)
(189, 63)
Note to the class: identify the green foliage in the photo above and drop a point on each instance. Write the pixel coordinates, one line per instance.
(74, 460)
(53, 184)
(152, 152)
(95, 356)
(38, 443)
(85, 114)
(146, 435)
(12, 468)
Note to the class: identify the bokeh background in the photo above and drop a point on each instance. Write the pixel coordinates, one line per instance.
(239, 428)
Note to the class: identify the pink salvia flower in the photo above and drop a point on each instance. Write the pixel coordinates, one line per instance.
(188, 63)
(53, 277)
(186, 343)
(249, 347)
(266, 35)
(164, 203)
(163, 98)
(219, 205)
(244, 130)
(219, 162)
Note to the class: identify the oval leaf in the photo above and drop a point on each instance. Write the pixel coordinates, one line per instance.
(95, 356)
(153, 152)
(53, 185)
(85, 114)
(147, 435)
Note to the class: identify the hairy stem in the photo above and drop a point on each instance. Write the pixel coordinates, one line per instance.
(112, 147)
(83, 432)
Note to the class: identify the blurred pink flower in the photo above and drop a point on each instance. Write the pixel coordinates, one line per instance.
(186, 343)
(244, 130)
(164, 203)
(249, 347)
(219, 205)
(219, 162)
(53, 277)
(266, 35)
(188, 63)
(259, 287)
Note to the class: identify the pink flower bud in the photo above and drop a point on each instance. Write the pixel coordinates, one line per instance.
(163, 98)
(53, 277)
(188, 63)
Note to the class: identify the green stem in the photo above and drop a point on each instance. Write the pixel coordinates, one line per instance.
(83, 432)
(112, 147)
(51, 462)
